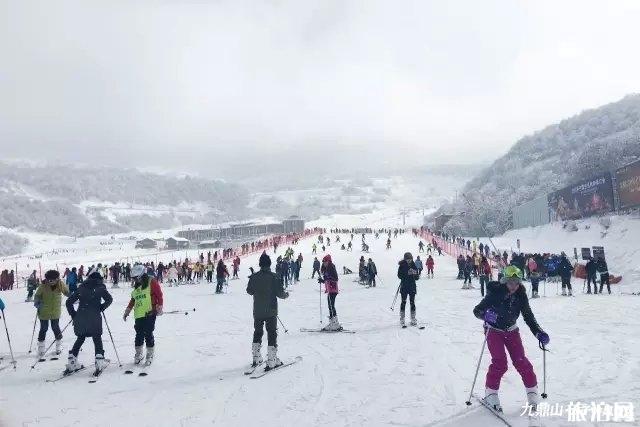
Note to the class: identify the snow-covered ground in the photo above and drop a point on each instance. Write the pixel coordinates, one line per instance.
(620, 241)
(381, 375)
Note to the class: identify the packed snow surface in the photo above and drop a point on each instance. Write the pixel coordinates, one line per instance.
(381, 375)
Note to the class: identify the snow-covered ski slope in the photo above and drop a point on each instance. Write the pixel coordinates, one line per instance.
(381, 375)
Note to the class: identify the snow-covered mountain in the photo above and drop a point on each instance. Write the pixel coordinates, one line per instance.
(582, 146)
(80, 201)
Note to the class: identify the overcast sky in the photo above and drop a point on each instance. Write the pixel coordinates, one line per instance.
(204, 86)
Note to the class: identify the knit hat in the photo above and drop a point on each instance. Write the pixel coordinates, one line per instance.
(264, 261)
(327, 258)
(52, 275)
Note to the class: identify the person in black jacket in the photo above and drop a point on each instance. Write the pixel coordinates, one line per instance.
(408, 273)
(591, 269)
(564, 271)
(265, 287)
(500, 309)
(93, 299)
(604, 274)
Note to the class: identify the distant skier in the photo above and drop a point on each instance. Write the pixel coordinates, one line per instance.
(72, 280)
(408, 273)
(266, 288)
(388, 243)
(592, 270)
(236, 267)
(146, 302)
(500, 309)
(47, 300)
(564, 270)
(419, 266)
(372, 272)
(604, 274)
(420, 246)
(316, 267)
(430, 264)
(93, 299)
(221, 276)
(330, 279)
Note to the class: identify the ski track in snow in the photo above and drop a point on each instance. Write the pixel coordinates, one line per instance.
(381, 375)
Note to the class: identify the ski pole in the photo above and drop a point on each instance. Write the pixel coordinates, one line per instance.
(320, 299)
(484, 344)
(13, 360)
(51, 345)
(544, 370)
(35, 320)
(111, 336)
(396, 297)
(286, 331)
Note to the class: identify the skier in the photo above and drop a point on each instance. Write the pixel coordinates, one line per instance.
(72, 280)
(408, 273)
(314, 249)
(93, 299)
(591, 269)
(47, 301)
(604, 274)
(32, 285)
(419, 265)
(420, 246)
(266, 288)
(564, 270)
(330, 279)
(236, 267)
(500, 309)
(388, 243)
(467, 268)
(485, 274)
(430, 264)
(316, 267)
(372, 272)
(221, 275)
(349, 246)
(146, 302)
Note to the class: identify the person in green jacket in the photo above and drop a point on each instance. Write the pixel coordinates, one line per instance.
(47, 301)
(265, 287)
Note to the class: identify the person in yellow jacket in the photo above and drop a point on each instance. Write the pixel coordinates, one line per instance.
(47, 300)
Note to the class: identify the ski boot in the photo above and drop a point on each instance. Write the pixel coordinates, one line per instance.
(491, 398)
(137, 358)
(414, 321)
(72, 364)
(402, 323)
(41, 350)
(101, 362)
(564, 292)
(58, 346)
(257, 356)
(149, 359)
(570, 293)
(532, 401)
(328, 326)
(335, 325)
(272, 358)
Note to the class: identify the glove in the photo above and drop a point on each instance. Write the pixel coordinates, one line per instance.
(2, 307)
(126, 314)
(543, 337)
(159, 310)
(490, 316)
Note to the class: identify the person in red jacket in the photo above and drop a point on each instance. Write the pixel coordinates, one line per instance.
(146, 302)
(430, 265)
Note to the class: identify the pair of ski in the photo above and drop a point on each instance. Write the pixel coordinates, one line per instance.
(251, 372)
(143, 372)
(94, 376)
(345, 331)
(419, 326)
(534, 419)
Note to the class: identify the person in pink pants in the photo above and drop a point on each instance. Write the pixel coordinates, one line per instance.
(500, 309)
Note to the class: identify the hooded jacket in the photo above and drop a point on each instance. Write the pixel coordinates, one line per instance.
(93, 299)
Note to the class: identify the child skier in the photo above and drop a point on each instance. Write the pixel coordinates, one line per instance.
(265, 287)
(93, 299)
(500, 310)
(47, 301)
(146, 302)
(330, 279)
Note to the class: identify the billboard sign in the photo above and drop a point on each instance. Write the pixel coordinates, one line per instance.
(583, 199)
(628, 180)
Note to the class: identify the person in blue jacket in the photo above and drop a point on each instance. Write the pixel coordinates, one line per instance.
(72, 280)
